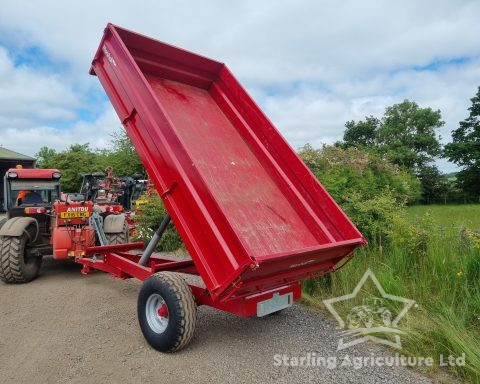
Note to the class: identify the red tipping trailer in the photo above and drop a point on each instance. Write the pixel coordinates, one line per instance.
(253, 217)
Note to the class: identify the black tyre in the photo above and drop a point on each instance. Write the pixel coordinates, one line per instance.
(15, 267)
(167, 312)
(119, 238)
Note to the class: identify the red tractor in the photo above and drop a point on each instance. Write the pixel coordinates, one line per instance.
(43, 221)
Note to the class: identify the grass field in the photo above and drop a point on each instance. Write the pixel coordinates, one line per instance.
(432, 257)
(449, 215)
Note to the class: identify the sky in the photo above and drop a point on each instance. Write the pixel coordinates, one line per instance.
(311, 65)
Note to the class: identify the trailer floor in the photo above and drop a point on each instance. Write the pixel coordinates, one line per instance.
(65, 327)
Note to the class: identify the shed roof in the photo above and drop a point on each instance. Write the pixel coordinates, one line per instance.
(8, 154)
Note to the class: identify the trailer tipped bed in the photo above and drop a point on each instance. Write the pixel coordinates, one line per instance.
(254, 219)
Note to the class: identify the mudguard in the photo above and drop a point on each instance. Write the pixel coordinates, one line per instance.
(113, 223)
(16, 226)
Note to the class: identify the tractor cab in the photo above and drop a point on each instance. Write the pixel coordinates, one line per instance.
(30, 191)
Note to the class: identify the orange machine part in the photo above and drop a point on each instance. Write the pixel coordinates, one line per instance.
(71, 232)
(71, 241)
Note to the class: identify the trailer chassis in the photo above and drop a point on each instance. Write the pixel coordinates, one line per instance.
(123, 261)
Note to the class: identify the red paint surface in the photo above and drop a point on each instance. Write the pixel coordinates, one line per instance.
(33, 173)
(253, 203)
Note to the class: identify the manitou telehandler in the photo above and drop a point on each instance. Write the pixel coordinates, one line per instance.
(43, 221)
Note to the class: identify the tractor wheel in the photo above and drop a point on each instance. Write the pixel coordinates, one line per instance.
(167, 311)
(119, 238)
(15, 267)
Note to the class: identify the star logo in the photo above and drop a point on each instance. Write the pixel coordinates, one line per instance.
(372, 317)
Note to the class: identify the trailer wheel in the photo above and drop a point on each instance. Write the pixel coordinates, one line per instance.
(119, 238)
(15, 267)
(167, 312)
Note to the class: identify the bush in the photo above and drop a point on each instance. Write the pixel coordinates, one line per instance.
(374, 217)
(371, 190)
(412, 238)
(344, 171)
(148, 219)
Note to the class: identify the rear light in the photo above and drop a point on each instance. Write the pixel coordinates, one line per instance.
(12, 174)
(33, 211)
(56, 175)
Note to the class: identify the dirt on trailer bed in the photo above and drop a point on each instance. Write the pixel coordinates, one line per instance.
(68, 328)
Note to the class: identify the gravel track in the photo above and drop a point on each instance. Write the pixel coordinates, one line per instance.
(69, 328)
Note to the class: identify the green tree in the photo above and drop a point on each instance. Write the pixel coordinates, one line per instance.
(80, 158)
(408, 134)
(46, 157)
(435, 185)
(122, 155)
(464, 150)
(362, 133)
(72, 162)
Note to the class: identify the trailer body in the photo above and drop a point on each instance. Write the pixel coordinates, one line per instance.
(253, 217)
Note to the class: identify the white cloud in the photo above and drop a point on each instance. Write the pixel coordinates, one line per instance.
(271, 40)
(35, 105)
(27, 96)
(29, 140)
(311, 64)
